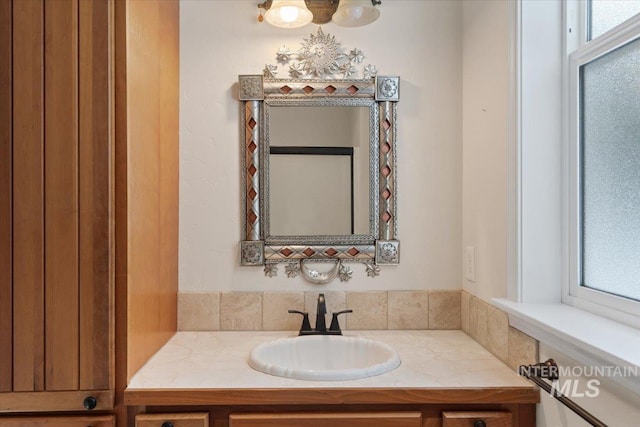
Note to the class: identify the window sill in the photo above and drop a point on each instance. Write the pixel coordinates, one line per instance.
(583, 336)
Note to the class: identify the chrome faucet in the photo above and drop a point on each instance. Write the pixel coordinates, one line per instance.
(321, 325)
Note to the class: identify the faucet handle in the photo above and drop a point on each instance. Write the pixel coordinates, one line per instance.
(306, 325)
(335, 326)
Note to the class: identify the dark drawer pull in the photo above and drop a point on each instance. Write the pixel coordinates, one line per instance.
(90, 403)
(480, 423)
(167, 424)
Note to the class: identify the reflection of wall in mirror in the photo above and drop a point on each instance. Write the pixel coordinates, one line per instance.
(319, 126)
(310, 126)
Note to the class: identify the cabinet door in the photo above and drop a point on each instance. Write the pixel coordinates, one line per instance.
(477, 419)
(368, 419)
(56, 273)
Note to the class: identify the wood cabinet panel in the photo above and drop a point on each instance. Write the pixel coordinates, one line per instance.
(95, 421)
(177, 420)
(378, 419)
(6, 279)
(151, 146)
(469, 419)
(61, 194)
(28, 202)
(96, 194)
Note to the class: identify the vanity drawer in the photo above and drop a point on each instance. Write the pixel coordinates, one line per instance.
(476, 419)
(57, 421)
(361, 419)
(192, 419)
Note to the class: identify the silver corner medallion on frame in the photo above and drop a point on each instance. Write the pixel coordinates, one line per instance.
(251, 87)
(387, 252)
(387, 88)
(251, 252)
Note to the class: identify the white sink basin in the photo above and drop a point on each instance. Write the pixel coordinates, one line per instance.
(324, 357)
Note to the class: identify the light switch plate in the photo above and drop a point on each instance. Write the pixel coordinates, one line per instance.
(470, 263)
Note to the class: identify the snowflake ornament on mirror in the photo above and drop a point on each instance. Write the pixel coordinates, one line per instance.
(270, 71)
(321, 57)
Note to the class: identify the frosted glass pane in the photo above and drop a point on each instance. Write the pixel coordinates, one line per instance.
(606, 14)
(611, 172)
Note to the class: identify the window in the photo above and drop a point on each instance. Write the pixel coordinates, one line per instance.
(604, 151)
(603, 15)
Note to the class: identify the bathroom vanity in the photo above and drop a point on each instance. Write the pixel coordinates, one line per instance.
(445, 379)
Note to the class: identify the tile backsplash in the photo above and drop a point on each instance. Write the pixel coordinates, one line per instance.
(490, 327)
(267, 311)
(254, 311)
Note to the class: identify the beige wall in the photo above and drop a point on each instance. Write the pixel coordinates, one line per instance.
(221, 39)
(484, 129)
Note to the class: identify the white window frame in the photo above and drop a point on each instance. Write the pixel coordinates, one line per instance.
(539, 301)
(579, 52)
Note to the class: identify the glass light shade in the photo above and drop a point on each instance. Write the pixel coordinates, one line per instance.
(288, 14)
(355, 13)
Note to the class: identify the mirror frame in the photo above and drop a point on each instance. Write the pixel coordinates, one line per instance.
(381, 246)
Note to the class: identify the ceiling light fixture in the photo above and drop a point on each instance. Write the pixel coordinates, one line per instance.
(297, 13)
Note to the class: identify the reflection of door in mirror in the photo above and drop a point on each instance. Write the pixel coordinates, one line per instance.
(311, 190)
(321, 187)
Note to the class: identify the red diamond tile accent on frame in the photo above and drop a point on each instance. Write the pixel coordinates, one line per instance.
(353, 252)
(331, 252)
(330, 89)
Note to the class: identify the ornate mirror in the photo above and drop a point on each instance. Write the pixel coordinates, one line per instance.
(319, 164)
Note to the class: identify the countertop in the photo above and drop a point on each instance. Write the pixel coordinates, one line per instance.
(212, 366)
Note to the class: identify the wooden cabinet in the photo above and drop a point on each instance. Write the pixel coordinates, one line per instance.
(477, 419)
(418, 411)
(56, 240)
(88, 202)
(368, 419)
(199, 419)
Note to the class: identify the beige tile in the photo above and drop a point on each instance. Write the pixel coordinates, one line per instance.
(335, 301)
(369, 310)
(241, 311)
(498, 329)
(523, 350)
(275, 306)
(444, 310)
(478, 321)
(464, 311)
(198, 311)
(408, 310)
